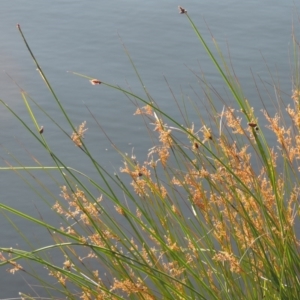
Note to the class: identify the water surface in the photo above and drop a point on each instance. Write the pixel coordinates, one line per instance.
(87, 37)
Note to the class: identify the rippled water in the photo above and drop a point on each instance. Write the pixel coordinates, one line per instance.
(87, 37)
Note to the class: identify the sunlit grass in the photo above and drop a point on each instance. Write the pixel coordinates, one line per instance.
(208, 214)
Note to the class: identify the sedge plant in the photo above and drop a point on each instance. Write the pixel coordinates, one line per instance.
(207, 214)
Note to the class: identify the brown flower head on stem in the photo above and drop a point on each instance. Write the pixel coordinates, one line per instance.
(253, 125)
(95, 81)
(182, 10)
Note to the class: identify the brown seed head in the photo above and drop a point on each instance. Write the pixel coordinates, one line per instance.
(95, 81)
(182, 10)
(251, 124)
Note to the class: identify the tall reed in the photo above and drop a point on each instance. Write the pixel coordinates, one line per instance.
(208, 213)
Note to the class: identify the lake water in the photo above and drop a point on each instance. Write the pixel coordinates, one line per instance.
(84, 36)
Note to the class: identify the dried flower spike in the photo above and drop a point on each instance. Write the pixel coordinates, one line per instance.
(41, 130)
(95, 81)
(182, 10)
(79, 134)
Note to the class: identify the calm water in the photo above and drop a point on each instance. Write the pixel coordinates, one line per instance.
(85, 37)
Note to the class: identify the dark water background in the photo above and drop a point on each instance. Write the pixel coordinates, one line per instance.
(84, 36)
